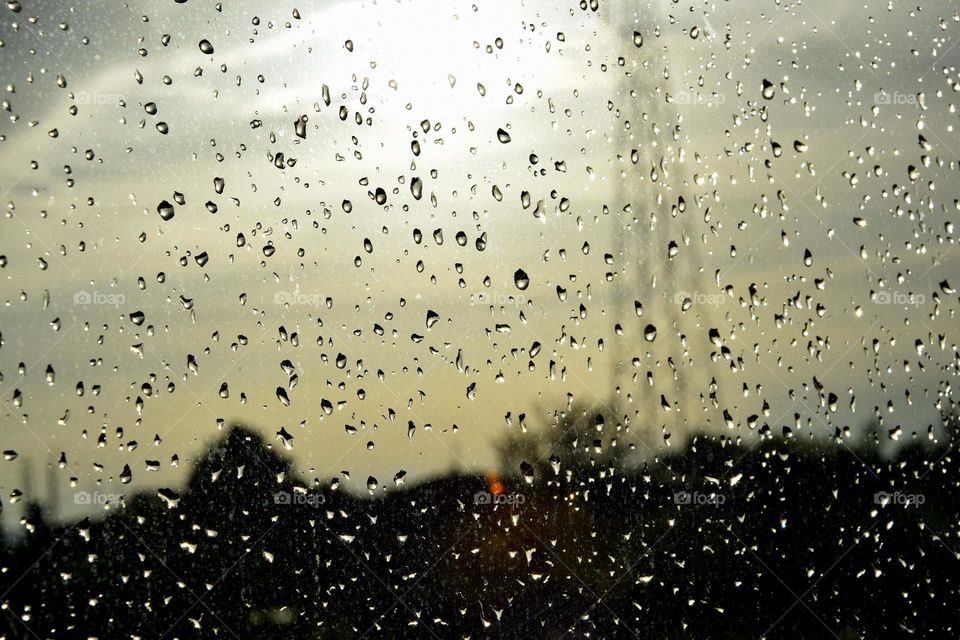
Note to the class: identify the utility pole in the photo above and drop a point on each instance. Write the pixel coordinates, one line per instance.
(662, 362)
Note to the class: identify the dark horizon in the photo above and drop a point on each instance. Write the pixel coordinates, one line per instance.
(222, 507)
(867, 441)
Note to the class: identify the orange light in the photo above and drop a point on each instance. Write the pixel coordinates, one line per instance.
(494, 485)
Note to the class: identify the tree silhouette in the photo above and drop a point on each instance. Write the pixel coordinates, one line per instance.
(810, 540)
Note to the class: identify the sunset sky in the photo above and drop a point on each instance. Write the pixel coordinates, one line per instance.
(857, 199)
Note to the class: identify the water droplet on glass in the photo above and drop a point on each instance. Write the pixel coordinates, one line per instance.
(650, 333)
(165, 209)
(521, 279)
(768, 90)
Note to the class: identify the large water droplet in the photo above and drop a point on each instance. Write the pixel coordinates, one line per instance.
(650, 333)
(768, 90)
(521, 279)
(165, 209)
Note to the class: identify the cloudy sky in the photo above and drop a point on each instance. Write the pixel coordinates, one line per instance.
(790, 171)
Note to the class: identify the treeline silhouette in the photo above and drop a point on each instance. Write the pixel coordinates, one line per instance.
(776, 538)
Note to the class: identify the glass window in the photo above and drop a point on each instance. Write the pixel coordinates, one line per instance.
(479, 319)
